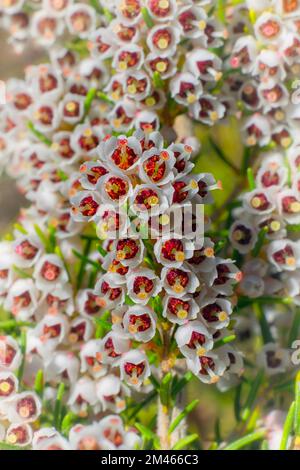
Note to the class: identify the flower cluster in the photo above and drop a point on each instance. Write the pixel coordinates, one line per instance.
(264, 52)
(151, 55)
(20, 411)
(174, 282)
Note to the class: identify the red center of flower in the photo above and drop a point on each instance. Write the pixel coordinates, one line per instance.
(113, 292)
(45, 115)
(22, 101)
(128, 247)
(196, 339)
(177, 276)
(170, 248)
(80, 21)
(7, 355)
(270, 29)
(90, 306)
(78, 331)
(50, 271)
(186, 20)
(270, 178)
(4, 273)
(141, 322)
(209, 312)
(88, 142)
(7, 386)
(176, 305)
(155, 168)
(131, 368)
(179, 195)
(142, 283)
(205, 363)
(88, 206)
(110, 349)
(124, 156)
(26, 250)
(26, 407)
(47, 83)
(146, 198)
(116, 188)
(52, 331)
(281, 256)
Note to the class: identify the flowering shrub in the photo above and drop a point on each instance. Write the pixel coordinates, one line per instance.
(123, 282)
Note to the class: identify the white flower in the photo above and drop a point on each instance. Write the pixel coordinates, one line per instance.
(194, 339)
(142, 284)
(208, 368)
(140, 323)
(63, 366)
(180, 310)
(80, 19)
(83, 395)
(179, 282)
(134, 368)
(112, 393)
(24, 407)
(49, 273)
(10, 354)
(22, 299)
(273, 359)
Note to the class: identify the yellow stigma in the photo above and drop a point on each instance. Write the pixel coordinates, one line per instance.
(131, 89)
(162, 43)
(202, 25)
(279, 115)
(214, 116)
(177, 288)
(12, 438)
(182, 314)
(201, 352)
(191, 98)
(24, 412)
(286, 142)
(275, 225)
(122, 65)
(180, 256)
(153, 200)
(142, 295)
(255, 202)
(117, 123)
(251, 140)
(150, 101)
(163, 4)
(161, 67)
(73, 337)
(88, 132)
(134, 380)
(115, 95)
(4, 387)
(223, 316)
(164, 219)
(120, 255)
(237, 235)
(193, 184)
(295, 206)
(209, 252)
(290, 261)
(71, 107)
(214, 379)
(132, 329)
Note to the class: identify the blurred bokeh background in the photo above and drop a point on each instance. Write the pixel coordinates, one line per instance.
(12, 65)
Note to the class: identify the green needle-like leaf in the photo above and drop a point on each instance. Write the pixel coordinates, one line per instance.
(182, 415)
